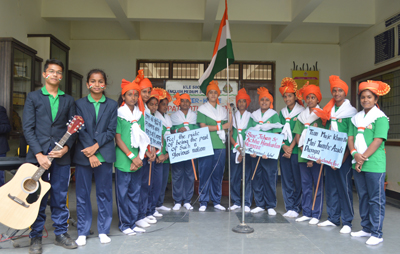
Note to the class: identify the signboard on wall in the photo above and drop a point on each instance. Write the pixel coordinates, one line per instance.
(384, 46)
(192, 87)
(301, 77)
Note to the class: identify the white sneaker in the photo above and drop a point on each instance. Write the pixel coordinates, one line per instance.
(313, 221)
(360, 233)
(271, 211)
(234, 207)
(104, 238)
(247, 209)
(188, 206)
(293, 214)
(139, 230)
(219, 207)
(81, 241)
(374, 240)
(345, 230)
(257, 210)
(202, 208)
(142, 223)
(129, 231)
(176, 207)
(326, 223)
(150, 220)
(151, 217)
(303, 218)
(157, 214)
(163, 208)
(287, 214)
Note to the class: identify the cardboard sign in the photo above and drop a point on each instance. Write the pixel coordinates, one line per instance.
(263, 143)
(329, 146)
(153, 128)
(189, 145)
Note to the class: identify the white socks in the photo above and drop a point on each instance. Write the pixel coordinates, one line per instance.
(247, 209)
(291, 214)
(257, 210)
(219, 207)
(81, 241)
(360, 234)
(345, 230)
(163, 208)
(142, 223)
(303, 218)
(150, 219)
(326, 223)
(313, 221)
(176, 207)
(271, 211)
(202, 208)
(128, 231)
(234, 207)
(104, 238)
(138, 230)
(157, 214)
(374, 240)
(188, 206)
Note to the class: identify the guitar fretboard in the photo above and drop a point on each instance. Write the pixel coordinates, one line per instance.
(41, 170)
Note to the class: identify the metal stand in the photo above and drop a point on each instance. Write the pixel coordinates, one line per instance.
(242, 227)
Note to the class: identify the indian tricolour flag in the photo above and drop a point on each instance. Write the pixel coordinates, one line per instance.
(222, 51)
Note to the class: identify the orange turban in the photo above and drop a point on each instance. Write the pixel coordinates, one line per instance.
(141, 81)
(242, 94)
(263, 92)
(179, 97)
(309, 89)
(154, 94)
(289, 85)
(126, 86)
(213, 85)
(377, 87)
(335, 81)
(162, 94)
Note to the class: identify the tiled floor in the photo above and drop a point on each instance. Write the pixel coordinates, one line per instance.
(211, 232)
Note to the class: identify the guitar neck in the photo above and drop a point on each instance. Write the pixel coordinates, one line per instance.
(58, 147)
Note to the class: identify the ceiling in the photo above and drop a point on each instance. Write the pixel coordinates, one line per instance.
(258, 21)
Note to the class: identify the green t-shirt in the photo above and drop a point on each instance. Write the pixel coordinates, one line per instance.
(343, 123)
(215, 140)
(54, 101)
(96, 105)
(122, 162)
(298, 129)
(292, 123)
(376, 163)
(272, 119)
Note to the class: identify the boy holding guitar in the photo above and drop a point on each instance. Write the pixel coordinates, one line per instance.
(45, 113)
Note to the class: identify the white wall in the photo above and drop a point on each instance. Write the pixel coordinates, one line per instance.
(21, 17)
(357, 56)
(118, 58)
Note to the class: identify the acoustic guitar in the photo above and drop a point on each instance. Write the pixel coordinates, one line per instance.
(16, 209)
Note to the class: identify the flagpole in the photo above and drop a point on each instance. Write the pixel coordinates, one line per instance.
(229, 133)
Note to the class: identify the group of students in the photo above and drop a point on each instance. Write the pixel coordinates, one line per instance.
(364, 160)
(114, 135)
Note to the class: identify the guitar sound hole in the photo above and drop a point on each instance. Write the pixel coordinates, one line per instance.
(33, 197)
(30, 185)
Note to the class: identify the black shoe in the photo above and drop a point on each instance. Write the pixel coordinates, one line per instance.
(65, 241)
(36, 245)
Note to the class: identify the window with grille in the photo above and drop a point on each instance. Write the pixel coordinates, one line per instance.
(390, 104)
(187, 70)
(233, 73)
(155, 70)
(257, 72)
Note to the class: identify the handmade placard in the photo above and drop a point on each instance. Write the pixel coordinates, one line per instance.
(263, 143)
(329, 146)
(189, 145)
(153, 129)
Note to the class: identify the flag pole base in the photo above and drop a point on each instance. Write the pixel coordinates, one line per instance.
(243, 229)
